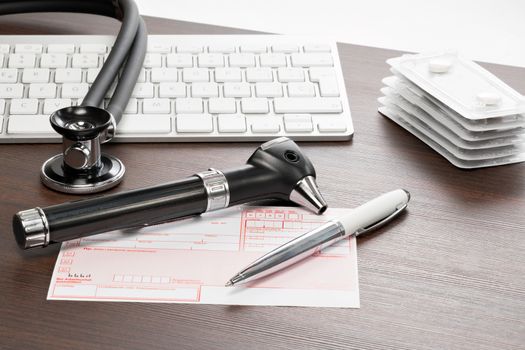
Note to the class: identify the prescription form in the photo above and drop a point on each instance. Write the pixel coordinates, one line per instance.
(189, 261)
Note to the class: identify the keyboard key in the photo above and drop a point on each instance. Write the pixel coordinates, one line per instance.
(43, 90)
(28, 48)
(131, 107)
(172, 90)
(85, 60)
(92, 74)
(2, 109)
(24, 106)
(298, 127)
(144, 124)
(255, 48)
(307, 105)
(189, 48)
(74, 90)
(328, 87)
(51, 105)
(311, 59)
(188, 105)
(210, 60)
(204, 90)
(242, 60)
(4, 48)
(285, 48)
(286, 75)
(254, 75)
(266, 125)
(8, 75)
(272, 60)
(301, 90)
(153, 60)
(317, 48)
(93, 48)
(298, 123)
(254, 105)
(317, 72)
(60, 48)
(332, 125)
(194, 123)
(221, 48)
(236, 90)
(35, 75)
(163, 74)
(231, 123)
(268, 90)
(228, 75)
(179, 60)
(222, 105)
(191, 75)
(21, 60)
(156, 106)
(29, 124)
(53, 60)
(143, 90)
(159, 48)
(68, 75)
(11, 90)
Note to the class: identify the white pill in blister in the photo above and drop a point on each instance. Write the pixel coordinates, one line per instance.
(488, 98)
(439, 65)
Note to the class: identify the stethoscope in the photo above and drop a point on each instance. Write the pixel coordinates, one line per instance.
(82, 167)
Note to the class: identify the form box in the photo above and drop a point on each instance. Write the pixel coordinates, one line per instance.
(86, 292)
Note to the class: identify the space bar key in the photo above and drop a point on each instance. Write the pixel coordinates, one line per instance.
(307, 105)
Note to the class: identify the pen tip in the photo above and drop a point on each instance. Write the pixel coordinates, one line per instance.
(228, 284)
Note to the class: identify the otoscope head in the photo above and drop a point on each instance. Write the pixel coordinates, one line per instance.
(285, 172)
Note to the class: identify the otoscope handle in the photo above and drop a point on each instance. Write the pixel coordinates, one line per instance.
(62, 222)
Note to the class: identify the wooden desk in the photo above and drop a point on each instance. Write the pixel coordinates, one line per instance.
(449, 274)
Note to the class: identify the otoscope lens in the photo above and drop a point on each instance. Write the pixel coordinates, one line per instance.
(291, 156)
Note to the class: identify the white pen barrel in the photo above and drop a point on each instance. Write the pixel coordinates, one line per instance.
(374, 211)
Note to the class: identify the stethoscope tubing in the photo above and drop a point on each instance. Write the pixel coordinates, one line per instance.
(128, 50)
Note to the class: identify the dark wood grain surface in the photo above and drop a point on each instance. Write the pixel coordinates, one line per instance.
(449, 274)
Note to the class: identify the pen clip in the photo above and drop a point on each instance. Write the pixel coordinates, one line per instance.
(381, 222)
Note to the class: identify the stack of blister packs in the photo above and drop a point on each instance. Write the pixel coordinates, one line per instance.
(456, 107)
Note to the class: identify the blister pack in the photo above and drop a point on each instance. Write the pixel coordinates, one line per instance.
(458, 108)
(460, 163)
(462, 85)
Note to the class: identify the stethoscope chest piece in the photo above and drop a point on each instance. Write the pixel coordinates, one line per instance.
(82, 168)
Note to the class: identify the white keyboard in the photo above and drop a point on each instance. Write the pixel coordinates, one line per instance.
(192, 88)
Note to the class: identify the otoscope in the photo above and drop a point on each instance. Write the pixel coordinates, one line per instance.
(276, 170)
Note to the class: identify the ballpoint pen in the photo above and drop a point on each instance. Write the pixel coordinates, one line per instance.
(363, 219)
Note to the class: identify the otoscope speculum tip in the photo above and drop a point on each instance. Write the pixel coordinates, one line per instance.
(306, 193)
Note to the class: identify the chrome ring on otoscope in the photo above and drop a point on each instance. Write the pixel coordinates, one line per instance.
(217, 189)
(35, 223)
